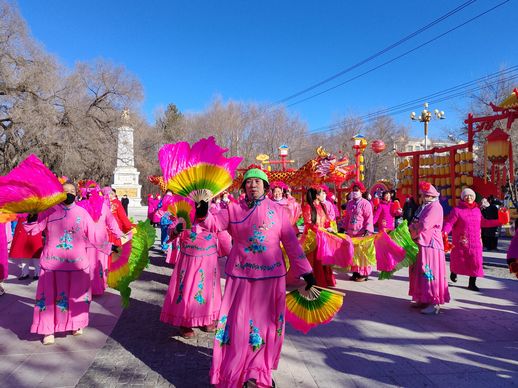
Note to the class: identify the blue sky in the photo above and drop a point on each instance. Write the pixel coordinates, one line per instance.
(188, 52)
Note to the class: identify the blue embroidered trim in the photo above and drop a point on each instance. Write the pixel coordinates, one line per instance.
(258, 267)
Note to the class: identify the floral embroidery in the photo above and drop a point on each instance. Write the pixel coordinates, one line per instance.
(263, 267)
(208, 237)
(195, 247)
(63, 260)
(180, 287)
(193, 235)
(281, 323)
(40, 303)
(256, 241)
(255, 339)
(428, 273)
(66, 239)
(62, 302)
(198, 296)
(222, 334)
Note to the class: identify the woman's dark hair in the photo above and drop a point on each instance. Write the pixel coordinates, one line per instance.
(266, 186)
(311, 195)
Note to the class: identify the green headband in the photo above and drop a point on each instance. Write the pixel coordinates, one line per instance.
(255, 173)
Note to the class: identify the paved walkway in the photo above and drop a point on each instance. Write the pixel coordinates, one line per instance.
(376, 340)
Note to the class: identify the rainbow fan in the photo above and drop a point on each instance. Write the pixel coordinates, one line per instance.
(129, 263)
(180, 207)
(200, 172)
(30, 188)
(306, 309)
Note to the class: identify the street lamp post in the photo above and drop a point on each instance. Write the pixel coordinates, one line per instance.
(425, 118)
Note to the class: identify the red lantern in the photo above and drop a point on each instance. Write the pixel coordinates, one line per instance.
(378, 146)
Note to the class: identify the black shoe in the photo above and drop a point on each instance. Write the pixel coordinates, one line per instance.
(273, 384)
(355, 276)
(472, 284)
(23, 277)
(453, 277)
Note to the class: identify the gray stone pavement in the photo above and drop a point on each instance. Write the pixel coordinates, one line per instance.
(376, 340)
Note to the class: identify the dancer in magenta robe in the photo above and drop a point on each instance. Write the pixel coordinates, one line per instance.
(250, 331)
(357, 222)
(63, 294)
(465, 222)
(428, 283)
(193, 298)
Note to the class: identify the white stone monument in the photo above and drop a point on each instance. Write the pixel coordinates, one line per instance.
(125, 175)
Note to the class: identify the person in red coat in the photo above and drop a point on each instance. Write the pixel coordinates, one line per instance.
(27, 249)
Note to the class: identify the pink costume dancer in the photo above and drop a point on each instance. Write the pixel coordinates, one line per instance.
(384, 215)
(250, 331)
(5, 237)
(63, 294)
(465, 222)
(316, 217)
(224, 239)
(99, 251)
(357, 222)
(428, 283)
(157, 213)
(193, 298)
(150, 207)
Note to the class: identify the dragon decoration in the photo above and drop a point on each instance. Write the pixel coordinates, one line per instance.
(324, 168)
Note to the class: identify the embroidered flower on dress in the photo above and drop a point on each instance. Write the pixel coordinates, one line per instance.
(40, 303)
(256, 239)
(192, 236)
(428, 273)
(62, 302)
(208, 237)
(281, 323)
(180, 287)
(198, 296)
(222, 335)
(255, 339)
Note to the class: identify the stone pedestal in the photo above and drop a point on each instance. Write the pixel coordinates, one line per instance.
(125, 175)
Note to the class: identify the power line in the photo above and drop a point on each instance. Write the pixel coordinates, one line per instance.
(399, 56)
(379, 53)
(441, 96)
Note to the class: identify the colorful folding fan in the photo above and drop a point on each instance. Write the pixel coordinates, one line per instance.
(131, 260)
(30, 188)
(180, 207)
(334, 248)
(401, 236)
(200, 172)
(306, 309)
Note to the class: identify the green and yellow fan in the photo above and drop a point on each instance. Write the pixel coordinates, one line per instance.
(180, 207)
(306, 309)
(198, 173)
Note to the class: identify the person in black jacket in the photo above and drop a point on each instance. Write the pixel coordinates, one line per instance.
(490, 212)
(409, 209)
(125, 203)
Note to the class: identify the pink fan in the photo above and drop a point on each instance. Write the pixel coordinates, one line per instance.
(200, 172)
(30, 188)
(388, 253)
